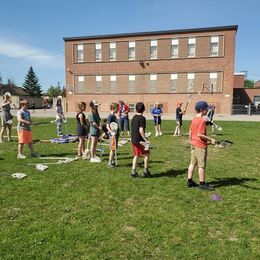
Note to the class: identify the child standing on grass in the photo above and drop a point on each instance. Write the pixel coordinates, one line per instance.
(82, 128)
(113, 137)
(179, 114)
(157, 113)
(6, 117)
(95, 128)
(59, 117)
(199, 141)
(138, 126)
(24, 130)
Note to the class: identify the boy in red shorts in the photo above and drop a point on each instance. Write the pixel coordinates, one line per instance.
(138, 126)
(199, 142)
(24, 130)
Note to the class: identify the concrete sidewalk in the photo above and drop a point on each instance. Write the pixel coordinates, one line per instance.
(167, 116)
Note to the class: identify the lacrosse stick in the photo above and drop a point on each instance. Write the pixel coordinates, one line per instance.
(146, 145)
(188, 102)
(223, 144)
(15, 175)
(219, 128)
(114, 128)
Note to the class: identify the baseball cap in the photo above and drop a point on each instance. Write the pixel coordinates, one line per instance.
(179, 103)
(201, 105)
(93, 103)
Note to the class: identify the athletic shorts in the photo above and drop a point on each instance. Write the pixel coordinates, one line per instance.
(179, 122)
(157, 121)
(199, 156)
(139, 150)
(25, 136)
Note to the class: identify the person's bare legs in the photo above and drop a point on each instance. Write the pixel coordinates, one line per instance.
(2, 133)
(146, 162)
(191, 171)
(9, 131)
(202, 174)
(20, 149)
(93, 146)
(30, 145)
(134, 165)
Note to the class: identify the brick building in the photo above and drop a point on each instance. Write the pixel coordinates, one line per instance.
(164, 66)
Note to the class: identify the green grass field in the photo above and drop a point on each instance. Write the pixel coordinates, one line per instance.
(87, 211)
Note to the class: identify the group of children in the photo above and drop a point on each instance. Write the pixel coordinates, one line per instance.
(91, 129)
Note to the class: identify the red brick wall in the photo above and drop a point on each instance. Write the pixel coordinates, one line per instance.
(239, 81)
(201, 65)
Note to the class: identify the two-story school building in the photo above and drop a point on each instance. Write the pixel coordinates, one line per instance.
(164, 66)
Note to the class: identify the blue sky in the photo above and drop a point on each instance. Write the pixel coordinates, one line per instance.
(31, 32)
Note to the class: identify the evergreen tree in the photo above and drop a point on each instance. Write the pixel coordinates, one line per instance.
(31, 84)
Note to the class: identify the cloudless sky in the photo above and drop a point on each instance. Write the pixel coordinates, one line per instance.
(31, 32)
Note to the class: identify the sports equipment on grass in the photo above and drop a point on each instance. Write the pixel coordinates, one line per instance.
(215, 197)
(223, 144)
(19, 175)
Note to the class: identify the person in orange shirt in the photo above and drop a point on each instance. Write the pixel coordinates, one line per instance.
(199, 142)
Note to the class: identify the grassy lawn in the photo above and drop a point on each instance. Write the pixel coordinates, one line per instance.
(83, 210)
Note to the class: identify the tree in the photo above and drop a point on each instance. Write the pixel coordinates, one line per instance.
(31, 84)
(249, 83)
(54, 91)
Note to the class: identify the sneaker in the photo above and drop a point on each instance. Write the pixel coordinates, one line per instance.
(160, 133)
(206, 187)
(147, 175)
(21, 156)
(192, 184)
(95, 160)
(111, 165)
(156, 134)
(35, 155)
(134, 175)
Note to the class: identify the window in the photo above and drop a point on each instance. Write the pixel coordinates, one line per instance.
(191, 47)
(173, 84)
(131, 107)
(112, 84)
(153, 81)
(99, 84)
(190, 82)
(98, 52)
(214, 46)
(131, 50)
(131, 83)
(80, 49)
(112, 51)
(213, 81)
(81, 84)
(153, 49)
(175, 48)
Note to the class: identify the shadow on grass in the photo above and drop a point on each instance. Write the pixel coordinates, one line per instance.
(171, 173)
(233, 181)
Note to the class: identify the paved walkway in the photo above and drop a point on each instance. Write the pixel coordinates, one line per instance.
(167, 116)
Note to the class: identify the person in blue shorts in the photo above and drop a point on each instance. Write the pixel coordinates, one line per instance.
(157, 113)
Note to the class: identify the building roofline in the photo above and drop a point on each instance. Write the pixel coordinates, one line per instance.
(192, 30)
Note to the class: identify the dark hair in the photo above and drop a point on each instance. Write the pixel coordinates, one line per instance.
(140, 108)
(81, 106)
(58, 103)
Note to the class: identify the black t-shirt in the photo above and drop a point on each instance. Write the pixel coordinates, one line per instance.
(137, 122)
(178, 115)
